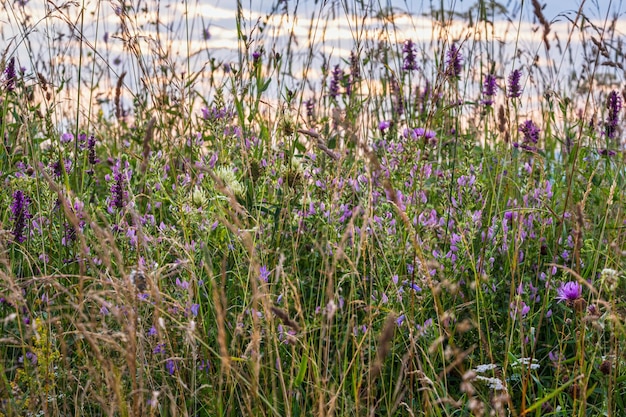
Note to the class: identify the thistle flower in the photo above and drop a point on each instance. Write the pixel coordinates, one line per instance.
(489, 89)
(569, 291)
(9, 75)
(515, 90)
(20, 215)
(337, 75)
(614, 105)
(454, 61)
(408, 51)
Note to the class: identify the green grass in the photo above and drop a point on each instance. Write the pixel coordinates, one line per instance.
(189, 234)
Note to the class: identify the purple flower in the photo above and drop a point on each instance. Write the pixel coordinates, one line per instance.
(159, 348)
(91, 150)
(454, 61)
(256, 56)
(67, 137)
(264, 273)
(9, 75)
(119, 195)
(530, 133)
(408, 51)
(569, 291)
(310, 108)
(206, 35)
(20, 215)
(336, 78)
(384, 125)
(355, 71)
(489, 89)
(194, 309)
(171, 366)
(515, 90)
(614, 105)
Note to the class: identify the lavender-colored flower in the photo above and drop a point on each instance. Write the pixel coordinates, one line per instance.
(206, 35)
(384, 125)
(614, 105)
(158, 349)
(91, 150)
(489, 89)
(9, 75)
(515, 89)
(355, 70)
(454, 61)
(20, 215)
(67, 137)
(569, 291)
(408, 51)
(530, 133)
(119, 195)
(171, 366)
(335, 80)
(256, 56)
(264, 273)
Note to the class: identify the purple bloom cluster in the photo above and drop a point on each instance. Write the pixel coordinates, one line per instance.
(614, 105)
(515, 90)
(530, 133)
(119, 182)
(335, 81)
(91, 150)
(569, 291)
(408, 51)
(489, 89)
(454, 61)
(9, 75)
(20, 215)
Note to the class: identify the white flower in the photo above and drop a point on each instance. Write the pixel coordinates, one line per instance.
(484, 368)
(493, 383)
(227, 175)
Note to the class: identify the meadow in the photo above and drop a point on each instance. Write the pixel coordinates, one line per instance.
(401, 227)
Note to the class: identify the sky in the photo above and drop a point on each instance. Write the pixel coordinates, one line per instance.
(192, 33)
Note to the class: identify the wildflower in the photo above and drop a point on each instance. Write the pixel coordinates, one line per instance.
(206, 35)
(91, 150)
(384, 125)
(530, 133)
(20, 215)
(171, 366)
(119, 195)
(264, 273)
(569, 291)
(408, 51)
(9, 75)
(454, 61)
(310, 108)
(481, 369)
(614, 105)
(159, 348)
(515, 90)
(67, 137)
(256, 56)
(337, 75)
(355, 71)
(489, 89)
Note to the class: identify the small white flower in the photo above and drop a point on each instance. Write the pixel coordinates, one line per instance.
(493, 383)
(484, 368)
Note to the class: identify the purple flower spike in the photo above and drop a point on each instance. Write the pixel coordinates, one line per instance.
(384, 125)
(454, 61)
(614, 105)
(408, 51)
(489, 89)
(20, 215)
(569, 291)
(515, 90)
(9, 75)
(337, 76)
(530, 133)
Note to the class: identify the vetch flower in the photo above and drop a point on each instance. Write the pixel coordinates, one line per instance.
(489, 89)
(515, 90)
(569, 291)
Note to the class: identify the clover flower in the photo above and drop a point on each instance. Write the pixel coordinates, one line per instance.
(408, 51)
(614, 105)
(489, 89)
(515, 90)
(454, 61)
(569, 291)
(20, 215)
